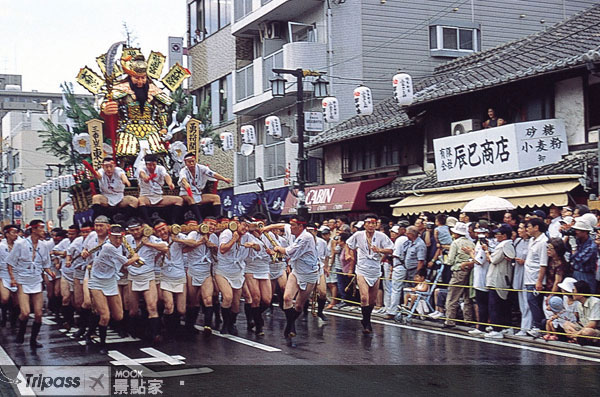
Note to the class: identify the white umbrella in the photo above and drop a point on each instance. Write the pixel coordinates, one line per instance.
(488, 204)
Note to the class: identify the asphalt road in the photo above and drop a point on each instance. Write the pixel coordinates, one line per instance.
(335, 357)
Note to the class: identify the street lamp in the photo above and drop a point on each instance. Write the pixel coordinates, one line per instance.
(320, 85)
(278, 90)
(48, 172)
(278, 86)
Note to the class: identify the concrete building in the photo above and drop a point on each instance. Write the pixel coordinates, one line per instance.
(355, 42)
(544, 86)
(24, 165)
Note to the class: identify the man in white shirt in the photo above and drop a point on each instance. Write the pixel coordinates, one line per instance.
(305, 272)
(192, 180)
(8, 293)
(112, 181)
(535, 270)
(151, 179)
(233, 250)
(26, 262)
(370, 246)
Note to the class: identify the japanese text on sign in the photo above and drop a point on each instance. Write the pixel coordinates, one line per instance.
(175, 77)
(508, 148)
(96, 142)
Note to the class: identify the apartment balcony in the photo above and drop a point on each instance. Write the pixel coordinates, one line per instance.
(249, 14)
(252, 84)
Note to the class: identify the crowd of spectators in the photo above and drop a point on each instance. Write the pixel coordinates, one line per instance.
(531, 273)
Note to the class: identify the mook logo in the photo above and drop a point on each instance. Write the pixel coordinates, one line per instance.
(64, 381)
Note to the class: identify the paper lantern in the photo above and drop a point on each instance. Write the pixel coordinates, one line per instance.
(227, 140)
(331, 110)
(363, 101)
(248, 134)
(403, 89)
(273, 126)
(208, 148)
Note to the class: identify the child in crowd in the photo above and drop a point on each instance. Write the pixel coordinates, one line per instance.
(570, 306)
(421, 286)
(555, 322)
(443, 237)
(439, 299)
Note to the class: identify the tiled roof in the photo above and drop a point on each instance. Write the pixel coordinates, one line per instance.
(566, 45)
(386, 115)
(572, 164)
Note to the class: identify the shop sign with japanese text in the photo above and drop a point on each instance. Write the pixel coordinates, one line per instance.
(508, 148)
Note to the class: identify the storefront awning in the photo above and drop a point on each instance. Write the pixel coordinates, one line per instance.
(521, 196)
(349, 196)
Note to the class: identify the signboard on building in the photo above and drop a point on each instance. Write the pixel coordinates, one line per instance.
(38, 206)
(313, 121)
(508, 148)
(175, 50)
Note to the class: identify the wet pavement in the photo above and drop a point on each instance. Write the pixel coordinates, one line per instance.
(337, 350)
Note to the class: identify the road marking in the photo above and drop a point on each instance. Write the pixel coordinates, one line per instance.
(111, 337)
(21, 388)
(157, 356)
(243, 341)
(492, 342)
(45, 320)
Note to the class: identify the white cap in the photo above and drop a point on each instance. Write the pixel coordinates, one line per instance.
(395, 229)
(567, 220)
(460, 228)
(590, 219)
(325, 229)
(581, 224)
(567, 284)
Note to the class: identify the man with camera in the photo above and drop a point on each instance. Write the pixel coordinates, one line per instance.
(585, 258)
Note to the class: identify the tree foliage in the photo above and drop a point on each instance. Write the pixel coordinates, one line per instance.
(56, 139)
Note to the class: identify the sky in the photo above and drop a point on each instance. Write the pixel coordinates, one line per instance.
(48, 41)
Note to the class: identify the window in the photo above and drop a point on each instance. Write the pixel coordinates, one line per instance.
(207, 17)
(593, 102)
(274, 60)
(203, 100)
(244, 82)
(16, 161)
(241, 8)
(453, 40)
(302, 32)
(275, 160)
(245, 168)
(368, 154)
(223, 116)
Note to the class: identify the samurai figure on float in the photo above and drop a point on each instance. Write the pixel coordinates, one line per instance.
(142, 110)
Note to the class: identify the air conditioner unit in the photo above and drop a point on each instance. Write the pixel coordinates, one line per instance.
(270, 30)
(464, 126)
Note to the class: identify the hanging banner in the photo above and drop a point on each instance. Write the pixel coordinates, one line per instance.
(275, 199)
(156, 62)
(508, 148)
(175, 77)
(89, 80)
(96, 141)
(193, 136)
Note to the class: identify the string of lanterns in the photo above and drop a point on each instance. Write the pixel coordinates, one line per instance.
(402, 85)
(59, 182)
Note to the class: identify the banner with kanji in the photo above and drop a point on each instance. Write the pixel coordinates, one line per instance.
(508, 148)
